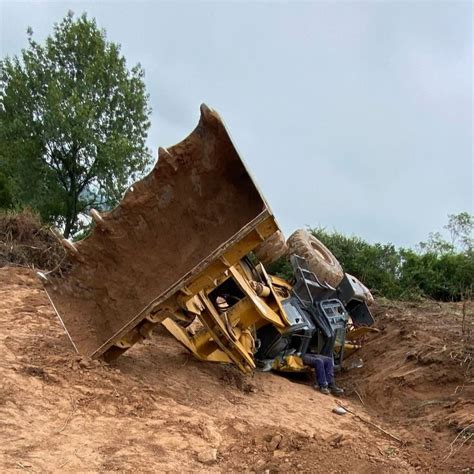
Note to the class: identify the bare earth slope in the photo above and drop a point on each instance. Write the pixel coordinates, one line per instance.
(418, 378)
(157, 409)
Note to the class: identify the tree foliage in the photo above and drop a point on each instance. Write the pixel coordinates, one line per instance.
(6, 197)
(376, 264)
(439, 269)
(445, 277)
(73, 122)
(460, 228)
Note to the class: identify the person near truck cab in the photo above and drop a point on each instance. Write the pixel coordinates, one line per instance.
(324, 367)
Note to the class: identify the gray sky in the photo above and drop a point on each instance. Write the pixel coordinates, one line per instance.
(355, 116)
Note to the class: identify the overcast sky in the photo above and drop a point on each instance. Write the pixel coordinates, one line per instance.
(354, 116)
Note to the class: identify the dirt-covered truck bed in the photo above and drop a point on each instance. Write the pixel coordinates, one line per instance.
(198, 199)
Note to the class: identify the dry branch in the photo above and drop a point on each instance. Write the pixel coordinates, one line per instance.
(396, 438)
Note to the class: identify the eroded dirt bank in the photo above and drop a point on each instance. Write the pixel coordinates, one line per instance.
(157, 409)
(418, 378)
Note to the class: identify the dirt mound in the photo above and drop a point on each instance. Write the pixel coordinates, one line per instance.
(417, 376)
(158, 409)
(24, 241)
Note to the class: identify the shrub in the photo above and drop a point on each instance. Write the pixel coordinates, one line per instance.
(24, 241)
(445, 275)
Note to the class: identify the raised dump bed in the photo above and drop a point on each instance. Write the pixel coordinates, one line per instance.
(197, 206)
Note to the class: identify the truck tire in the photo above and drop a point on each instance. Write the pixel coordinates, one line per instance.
(318, 257)
(271, 249)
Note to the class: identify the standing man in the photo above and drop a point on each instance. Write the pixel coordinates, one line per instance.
(324, 367)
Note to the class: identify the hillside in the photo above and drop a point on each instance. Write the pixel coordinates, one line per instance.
(157, 409)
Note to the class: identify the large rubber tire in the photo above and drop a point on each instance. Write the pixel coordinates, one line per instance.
(271, 249)
(318, 257)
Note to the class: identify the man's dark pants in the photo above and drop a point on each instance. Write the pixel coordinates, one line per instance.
(324, 368)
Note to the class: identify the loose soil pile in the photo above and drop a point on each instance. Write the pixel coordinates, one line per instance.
(157, 409)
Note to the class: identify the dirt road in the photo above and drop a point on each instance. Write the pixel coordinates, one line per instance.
(157, 409)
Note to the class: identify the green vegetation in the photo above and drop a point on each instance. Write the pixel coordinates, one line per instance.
(438, 269)
(73, 124)
(6, 197)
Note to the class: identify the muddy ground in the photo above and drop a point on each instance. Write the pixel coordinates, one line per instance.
(157, 409)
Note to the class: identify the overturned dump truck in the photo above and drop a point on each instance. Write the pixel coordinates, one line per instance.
(189, 243)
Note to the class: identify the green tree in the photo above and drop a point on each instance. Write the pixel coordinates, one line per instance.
(376, 265)
(460, 227)
(73, 122)
(6, 198)
(436, 244)
(438, 269)
(442, 277)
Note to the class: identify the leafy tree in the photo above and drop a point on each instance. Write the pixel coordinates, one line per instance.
(438, 269)
(442, 277)
(6, 198)
(376, 265)
(460, 227)
(436, 244)
(73, 122)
